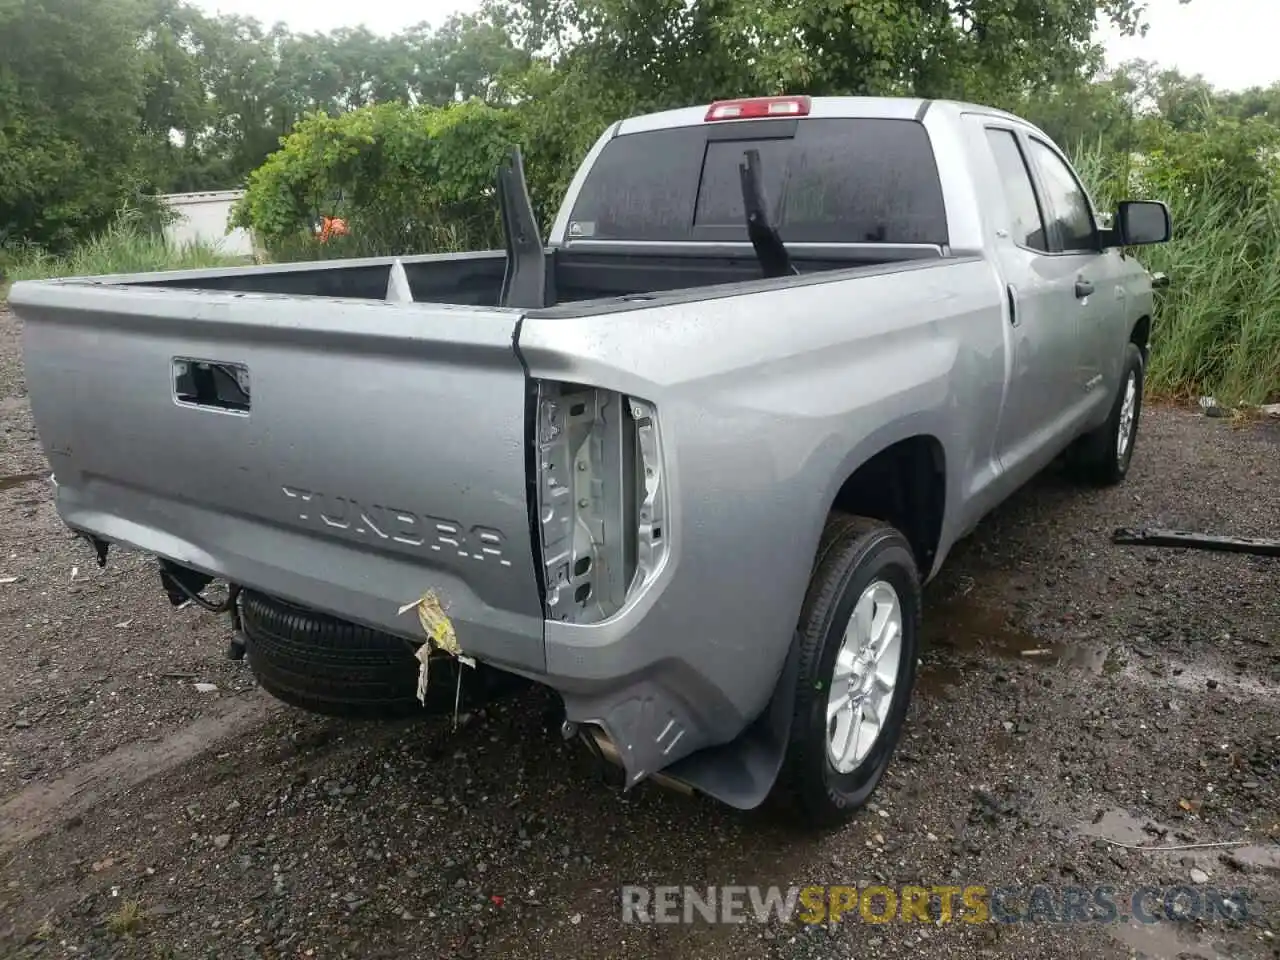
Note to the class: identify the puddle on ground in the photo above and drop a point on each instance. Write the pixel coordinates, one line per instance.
(1257, 859)
(1196, 678)
(19, 479)
(962, 625)
(1163, 941)
(1123, 827)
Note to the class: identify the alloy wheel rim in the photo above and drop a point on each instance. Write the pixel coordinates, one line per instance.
(865, 676)
(1128, 412)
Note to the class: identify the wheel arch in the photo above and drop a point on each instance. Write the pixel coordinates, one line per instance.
(741, 772)
(1140, 335)
(903, 482)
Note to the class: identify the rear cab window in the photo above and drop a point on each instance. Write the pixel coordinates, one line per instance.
(826, 180)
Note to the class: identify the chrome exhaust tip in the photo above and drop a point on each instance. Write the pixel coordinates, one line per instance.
(603, 747)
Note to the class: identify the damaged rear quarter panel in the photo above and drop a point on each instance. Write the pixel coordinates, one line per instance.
(767, 397)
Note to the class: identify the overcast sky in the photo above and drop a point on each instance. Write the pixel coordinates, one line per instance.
(1230, 42)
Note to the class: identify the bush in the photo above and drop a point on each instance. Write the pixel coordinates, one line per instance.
(406, 180)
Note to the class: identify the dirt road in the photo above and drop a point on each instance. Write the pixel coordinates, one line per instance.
(1076, 696)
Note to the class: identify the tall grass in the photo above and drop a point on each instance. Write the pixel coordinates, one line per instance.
(127, 246)
(1216, 328)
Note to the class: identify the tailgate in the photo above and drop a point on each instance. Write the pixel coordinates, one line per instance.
(345, 455)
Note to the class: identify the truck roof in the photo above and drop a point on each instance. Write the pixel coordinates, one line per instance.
(888, 108)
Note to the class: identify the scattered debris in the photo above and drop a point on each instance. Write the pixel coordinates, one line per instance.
(1255, 546)
(7, 580)
(1198, 876)
(1211, 408)
(1243, 410)
(206, 688)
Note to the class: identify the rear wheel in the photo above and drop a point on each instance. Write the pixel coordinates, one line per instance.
(859, 636)
(1102, 457)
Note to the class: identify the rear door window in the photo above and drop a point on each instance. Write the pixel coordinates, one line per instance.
(866, 180)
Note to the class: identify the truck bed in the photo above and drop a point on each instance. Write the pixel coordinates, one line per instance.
(475, 279)
(287, 427)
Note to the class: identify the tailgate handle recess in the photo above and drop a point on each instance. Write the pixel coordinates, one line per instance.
(211, 384)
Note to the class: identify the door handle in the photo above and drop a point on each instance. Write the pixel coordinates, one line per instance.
(1083, 289)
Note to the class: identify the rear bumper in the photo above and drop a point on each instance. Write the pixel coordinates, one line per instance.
(624, 675)
(313, 572)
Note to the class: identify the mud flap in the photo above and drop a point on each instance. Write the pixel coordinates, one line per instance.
(742, 773)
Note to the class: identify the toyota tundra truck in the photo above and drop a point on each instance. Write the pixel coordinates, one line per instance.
(688, 462)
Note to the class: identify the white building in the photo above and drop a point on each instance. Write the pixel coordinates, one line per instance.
(203, 217)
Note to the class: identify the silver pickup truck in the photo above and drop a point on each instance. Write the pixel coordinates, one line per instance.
(688, 463)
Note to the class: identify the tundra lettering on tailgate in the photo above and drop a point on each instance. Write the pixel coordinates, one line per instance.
(346, 515)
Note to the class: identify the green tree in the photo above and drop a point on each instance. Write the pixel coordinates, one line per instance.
(175, 106)
(470, 56)
(71, 94)
(672, 51)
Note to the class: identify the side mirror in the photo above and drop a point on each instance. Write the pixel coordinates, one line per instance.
(1141, 222)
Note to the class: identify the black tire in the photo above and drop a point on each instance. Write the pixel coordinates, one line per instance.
(329, 666)
(1095, 458)
(854, 553)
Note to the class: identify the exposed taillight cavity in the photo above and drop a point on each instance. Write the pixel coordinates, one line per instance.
(651, 494)
(753, 108)
(601, 499)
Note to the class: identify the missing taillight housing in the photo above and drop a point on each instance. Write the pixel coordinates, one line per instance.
(754, 108)
(651, 493)
(601, 500)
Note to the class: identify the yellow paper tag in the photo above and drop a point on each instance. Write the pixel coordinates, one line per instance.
(440, 636)
(436, 623)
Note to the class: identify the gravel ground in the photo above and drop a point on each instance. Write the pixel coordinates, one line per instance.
(1075, 696)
